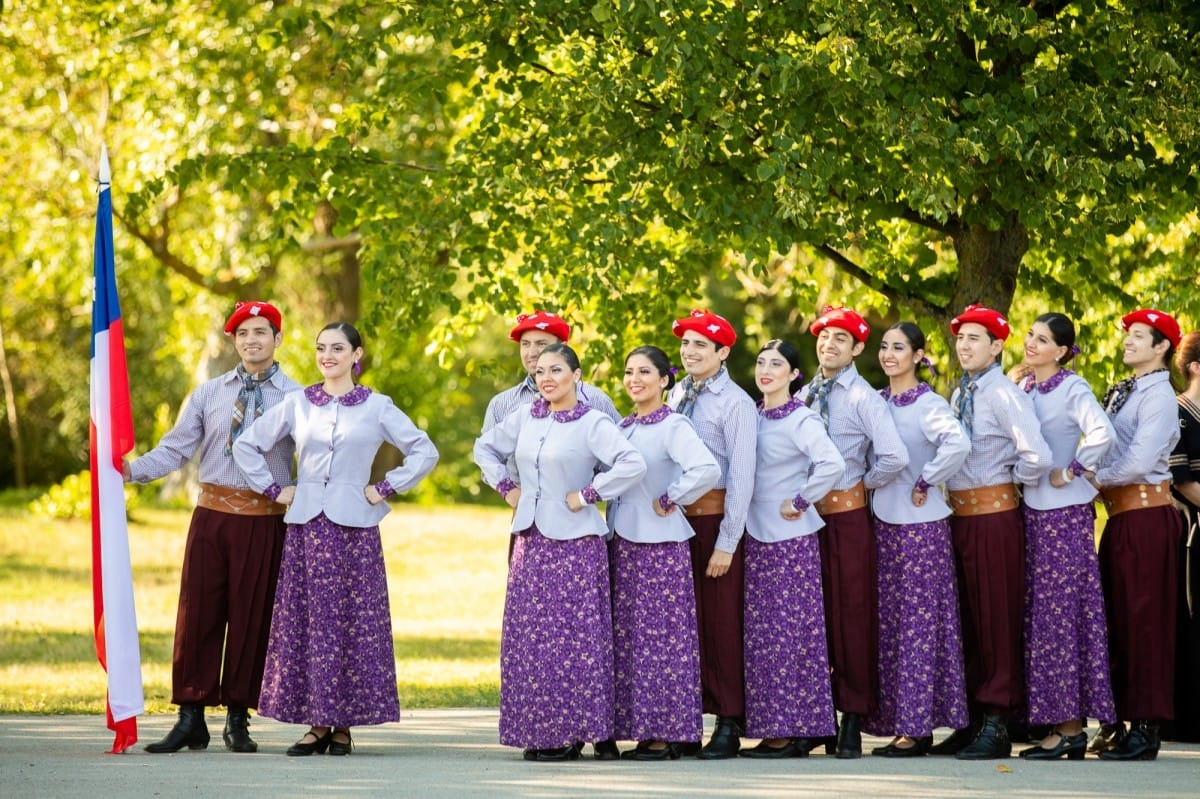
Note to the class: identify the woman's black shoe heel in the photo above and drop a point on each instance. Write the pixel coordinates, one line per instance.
(340, 748)
(318, 745)
(1073, 746)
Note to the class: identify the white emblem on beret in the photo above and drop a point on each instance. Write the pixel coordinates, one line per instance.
(254, 309)
(1003, 322)
(542, 325)
(714, 328)
(1153, 317)
(862, 328)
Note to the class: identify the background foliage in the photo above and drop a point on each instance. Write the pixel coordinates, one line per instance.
(427, 170)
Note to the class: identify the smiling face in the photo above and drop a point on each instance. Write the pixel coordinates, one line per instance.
(975, 347)
(1040, 348)
(532, 344)
(773, 373)
(255, 342)
(642, 381)
(1141, 353)
(701, 356)
(335, 355)
(555, 379)
(897, 357)
(836, 349)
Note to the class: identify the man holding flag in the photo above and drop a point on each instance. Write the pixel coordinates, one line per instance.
(231, 559)
(111, 437)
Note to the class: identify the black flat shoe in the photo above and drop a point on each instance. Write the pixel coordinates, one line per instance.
(646, 754)
(1073, 746)
(956, 741)
(687, 748)
(340, 748)
(606, 750)
(317, 745)
(560, 755)
(919, 748)
(793, 748)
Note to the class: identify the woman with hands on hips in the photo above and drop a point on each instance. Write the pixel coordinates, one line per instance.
(330, 659)
(556, 648)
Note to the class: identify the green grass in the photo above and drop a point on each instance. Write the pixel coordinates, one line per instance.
(446, 571)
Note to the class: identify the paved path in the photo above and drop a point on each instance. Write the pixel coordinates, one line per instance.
(454, 753)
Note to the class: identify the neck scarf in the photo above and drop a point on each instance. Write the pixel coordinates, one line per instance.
(964, 408)
(1120, 392)
(818, 393)
(692, 389)
(249, 398)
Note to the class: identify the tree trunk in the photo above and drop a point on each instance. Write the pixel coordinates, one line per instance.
(10, 408)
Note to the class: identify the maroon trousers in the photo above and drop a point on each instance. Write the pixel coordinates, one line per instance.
(850, 585)
(989, 556)
(719, 620)
(226, 592)
(1139, 571)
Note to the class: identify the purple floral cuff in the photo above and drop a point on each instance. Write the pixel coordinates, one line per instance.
(921, 485)
(799, 503)
(665, 502)
(590, 495)
(504, 486)
(385, 489)
(271, 492)
(1076, 468)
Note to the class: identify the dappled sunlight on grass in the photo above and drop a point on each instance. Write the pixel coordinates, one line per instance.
(446, 573)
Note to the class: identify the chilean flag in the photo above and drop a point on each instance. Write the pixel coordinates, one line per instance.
(112, 438)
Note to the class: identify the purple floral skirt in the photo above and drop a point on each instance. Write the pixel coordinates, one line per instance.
(656, 650)
(921, 680)
(330, 659)
(788, 692)
(556, 646)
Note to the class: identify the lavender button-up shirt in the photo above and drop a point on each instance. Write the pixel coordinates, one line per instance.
(1077, 429)
(1147, 429)
(1006, 440)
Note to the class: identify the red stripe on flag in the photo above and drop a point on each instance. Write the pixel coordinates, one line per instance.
(120, 405)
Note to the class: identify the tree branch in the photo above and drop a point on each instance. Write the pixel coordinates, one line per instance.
(894, 295)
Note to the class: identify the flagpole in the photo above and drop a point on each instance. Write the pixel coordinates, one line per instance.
(111, 436)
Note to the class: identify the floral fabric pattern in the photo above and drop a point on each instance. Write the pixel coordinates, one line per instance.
(556, 653)
(788, 692)
(921, 678)
(656, 649)
(330, 659)
(1066, 636)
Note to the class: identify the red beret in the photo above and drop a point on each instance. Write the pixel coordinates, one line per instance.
(993, 321)
(707, 324)
(1162, 322)
(543, 321)
(244, 310)
(844, 318)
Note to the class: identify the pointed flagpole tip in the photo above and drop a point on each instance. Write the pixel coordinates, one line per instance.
(105, 175)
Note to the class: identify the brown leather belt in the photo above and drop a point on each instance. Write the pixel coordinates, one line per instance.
(711, 504)
(982, 501)
(241, 501)
(835, 501)
(1120, 499)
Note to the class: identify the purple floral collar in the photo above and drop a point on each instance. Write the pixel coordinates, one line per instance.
(905, 397)
(781, 411)
(541, 409)
(1047, 385)
(654, 417)
(317, 395)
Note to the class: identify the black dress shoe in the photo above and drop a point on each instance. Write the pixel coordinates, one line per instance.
(1073, 746)
(643, 752)
(849, 737)
(687, 748)
(317, 745)
(764, 752)
(956, 741)
(190, 731)
(237, 731)
(529, 754)
(990, 744)
(919, 748)
(340, 748)
(606, 750)
(1108, 736)
(726, 740)
(1140, 743)
(560, 755)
